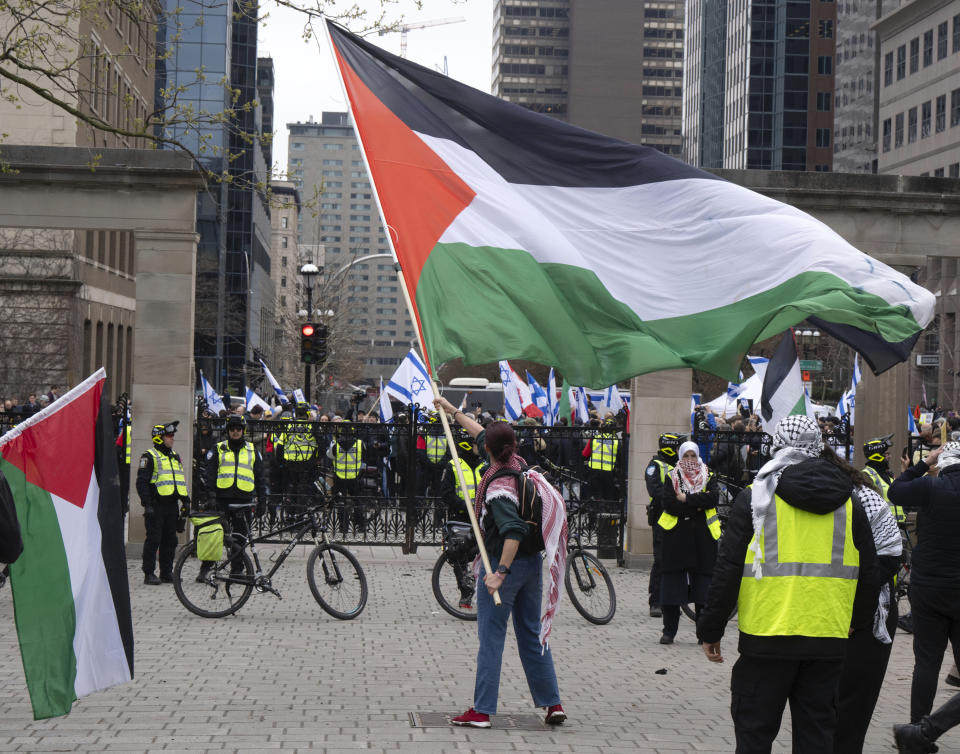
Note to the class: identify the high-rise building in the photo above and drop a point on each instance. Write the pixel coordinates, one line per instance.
(775, 61)
(234, 292)
(340, 230)
(855, 98)
(919, 91)
(581, 62)
(284, 263)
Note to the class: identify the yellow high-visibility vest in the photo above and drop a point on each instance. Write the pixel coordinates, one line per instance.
(809, 568)
(881, 484)
(298, 446)
(667, 520)
(236, 468)
(346, 463)
(126, 441)
(603, 453)
(436, 448)
(471, 476)
(167, 479)
(665, 469)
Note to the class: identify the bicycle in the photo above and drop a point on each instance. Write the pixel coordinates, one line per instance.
(453, 582)
(215, 589)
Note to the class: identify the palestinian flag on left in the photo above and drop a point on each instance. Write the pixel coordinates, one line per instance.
(71, 597)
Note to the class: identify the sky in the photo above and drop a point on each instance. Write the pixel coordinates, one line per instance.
(306, 82)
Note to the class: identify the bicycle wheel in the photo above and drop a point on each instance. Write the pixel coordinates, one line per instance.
(456, 592)
(337, 581)
(205, 587)
(590, 587)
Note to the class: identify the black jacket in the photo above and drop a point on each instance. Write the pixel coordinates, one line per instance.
(11, 543)
(936, 558)
(816, 486)
(689, 545)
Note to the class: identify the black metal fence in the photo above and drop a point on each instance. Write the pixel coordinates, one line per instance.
(398, 498)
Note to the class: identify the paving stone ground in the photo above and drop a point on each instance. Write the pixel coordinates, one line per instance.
(285, 676)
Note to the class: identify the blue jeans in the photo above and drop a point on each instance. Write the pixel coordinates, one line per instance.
(520, 595)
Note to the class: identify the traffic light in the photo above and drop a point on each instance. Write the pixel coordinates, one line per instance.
(308, 340)
(313, 343)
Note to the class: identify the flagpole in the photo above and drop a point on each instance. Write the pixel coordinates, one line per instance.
(455, 457)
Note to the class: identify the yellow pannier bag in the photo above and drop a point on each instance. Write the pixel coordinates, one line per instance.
(209, 533)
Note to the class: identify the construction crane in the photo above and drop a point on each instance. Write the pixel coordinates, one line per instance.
(404, 28)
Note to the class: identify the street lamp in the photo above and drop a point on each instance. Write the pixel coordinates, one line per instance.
(309, 272)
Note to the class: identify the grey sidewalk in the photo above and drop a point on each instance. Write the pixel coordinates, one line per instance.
(285, 676)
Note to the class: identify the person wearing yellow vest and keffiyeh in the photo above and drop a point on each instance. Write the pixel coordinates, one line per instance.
(690, 532)
(161, 486)
(797, 558)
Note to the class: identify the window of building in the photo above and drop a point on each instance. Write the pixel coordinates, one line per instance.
(938, 173)
(886, 134)
(901, 61)
(898, 131)
(283, 261)
(825, 64)
(954, 107)
(283, 282)
(887, 69)
(926, 114)
(296, 145)
(927, 48)
(825, 29)
(284, 221)
(823, 101)
(283, 301)
(911, 125)
(283, 242)
(332, 163)
(333, 147)
(942, 42)
(941, 113)
(822, 168)
(956, 33)
(823, 137)
(914, 54)
(955, 170)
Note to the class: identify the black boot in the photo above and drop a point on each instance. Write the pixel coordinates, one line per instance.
(910, 739)
(151, 579)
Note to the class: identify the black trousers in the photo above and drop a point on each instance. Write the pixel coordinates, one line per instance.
(864, 666)
(936, 619)
(601, 485)
(943, 718)
(161, 537)
(760, 688)
(653, 588)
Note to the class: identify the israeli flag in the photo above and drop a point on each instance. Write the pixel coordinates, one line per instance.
(255, 400)
(214, 402)
(579, 401)
(386, 410)
(411, 383)
(273, 381)
(612, 400)
(734, 389)
(539, 396)
(553, 403)
(512, 404)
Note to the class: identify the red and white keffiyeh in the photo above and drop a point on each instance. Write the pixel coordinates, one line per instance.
(553, 527)
(690, 475)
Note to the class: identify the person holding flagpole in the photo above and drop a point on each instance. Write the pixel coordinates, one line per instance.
(516, 574)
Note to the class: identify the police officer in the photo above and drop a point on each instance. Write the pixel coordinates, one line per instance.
(295, 453)
(601, 459)
(434, 459)
(472, 468)
(162, 488)
(798, 560)
(656, 473)
(234, 475)
(877, 453)
(347, 453)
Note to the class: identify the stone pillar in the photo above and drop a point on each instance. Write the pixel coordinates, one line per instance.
(163, 373)
(659, 402)
(881, 409)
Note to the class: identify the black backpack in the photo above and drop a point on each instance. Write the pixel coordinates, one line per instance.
(531, 510)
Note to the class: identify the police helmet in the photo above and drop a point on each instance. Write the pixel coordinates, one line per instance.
(669, 443)
(464, 441)
(236, 420)
(875, 449)
(159, 430)
(302, 409)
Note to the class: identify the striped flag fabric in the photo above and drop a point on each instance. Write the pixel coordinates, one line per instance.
(411, 383)
(386, 410)
(539, 396)
(214, 401)
(512, 403)
(554, 240)
(273, 383)
(553, 406)
(578, 399)
(783, 392)
(255, 400)
(71, 597)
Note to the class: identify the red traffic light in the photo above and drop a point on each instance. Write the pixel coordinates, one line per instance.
(306, 330)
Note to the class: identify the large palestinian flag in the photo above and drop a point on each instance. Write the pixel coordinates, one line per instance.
(70, 593)
(522, 236)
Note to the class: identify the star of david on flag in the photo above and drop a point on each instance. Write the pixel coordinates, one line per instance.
(411, 383)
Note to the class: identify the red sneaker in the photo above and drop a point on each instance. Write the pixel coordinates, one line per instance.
(472, 718)
(555, 715)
